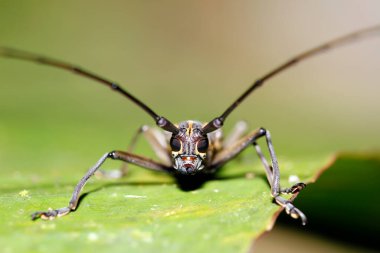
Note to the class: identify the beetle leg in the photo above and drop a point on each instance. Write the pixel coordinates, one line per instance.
(115, 155)
(273, 175)
(272, 170)
(157, 141)
(269, 172)
(237, 132)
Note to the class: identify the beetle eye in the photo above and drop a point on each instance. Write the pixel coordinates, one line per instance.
(202, 145)
(175, 144)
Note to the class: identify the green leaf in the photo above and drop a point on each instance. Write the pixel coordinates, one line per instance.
(145, 212)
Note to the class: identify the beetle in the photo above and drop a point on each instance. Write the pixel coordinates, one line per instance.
(190, 149)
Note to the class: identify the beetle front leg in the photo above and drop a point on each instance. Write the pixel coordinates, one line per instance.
(272, 170)
(51, 214)
(157, 141)
(273, 175)
(269, 172)
(115, 155)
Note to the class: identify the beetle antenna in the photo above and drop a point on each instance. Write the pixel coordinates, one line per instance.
(18, 54)
(218, 121)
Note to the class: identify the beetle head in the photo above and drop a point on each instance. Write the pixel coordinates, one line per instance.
(189, 148)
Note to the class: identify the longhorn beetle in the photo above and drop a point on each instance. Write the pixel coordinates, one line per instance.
(193, 148)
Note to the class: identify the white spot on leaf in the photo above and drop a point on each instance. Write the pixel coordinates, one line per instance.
(24, 194)
(92, 237)
(294, 179)
(134, 197)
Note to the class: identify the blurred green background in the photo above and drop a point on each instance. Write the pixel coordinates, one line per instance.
(187, 60)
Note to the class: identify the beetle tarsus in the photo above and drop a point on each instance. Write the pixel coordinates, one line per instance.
(295, 213)
(50, 214)
(295, 188)
(291, 210)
